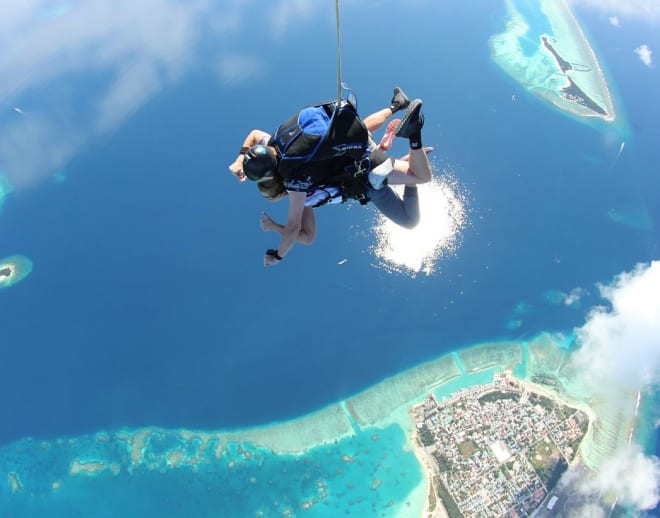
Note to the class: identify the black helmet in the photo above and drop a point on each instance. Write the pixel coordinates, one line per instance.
(259, 163)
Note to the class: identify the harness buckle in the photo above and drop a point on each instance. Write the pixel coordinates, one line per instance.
(361, 166)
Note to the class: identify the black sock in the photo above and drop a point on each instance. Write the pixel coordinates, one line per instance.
(395, 107)
(416, 141)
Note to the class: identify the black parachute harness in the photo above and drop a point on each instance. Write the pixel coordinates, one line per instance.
(327, 144)
(353, 180)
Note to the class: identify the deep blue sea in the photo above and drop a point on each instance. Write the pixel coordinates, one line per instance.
(148, 305)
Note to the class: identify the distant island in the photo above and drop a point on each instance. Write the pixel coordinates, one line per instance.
(13, 270)
(562, 69)
(572, 92)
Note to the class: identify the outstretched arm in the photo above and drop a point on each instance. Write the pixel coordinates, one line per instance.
(307, 232)
(292, 227)
(253, 138)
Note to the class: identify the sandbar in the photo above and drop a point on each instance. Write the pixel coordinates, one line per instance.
(92, 467)
(15, 484)
(554, 62)
(13, 270)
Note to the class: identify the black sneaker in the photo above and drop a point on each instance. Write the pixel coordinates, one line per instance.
(400, 100)
(412, 121)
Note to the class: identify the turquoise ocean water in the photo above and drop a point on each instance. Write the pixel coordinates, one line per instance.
(368, 474)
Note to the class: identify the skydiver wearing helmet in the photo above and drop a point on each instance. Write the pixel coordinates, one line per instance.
(260, 158)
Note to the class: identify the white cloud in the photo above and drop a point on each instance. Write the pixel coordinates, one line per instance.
(134, 85)
(130, 51)
(237, 69)
(33, 145)
(136, 47)
(614, 20)
(587, 511)
(287, 13)
(620, 353)
(648, 10)
(645, 55)
(622, 342)
(573, 298)
(629, 474)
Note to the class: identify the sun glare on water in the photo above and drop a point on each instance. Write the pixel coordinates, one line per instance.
(443, 216)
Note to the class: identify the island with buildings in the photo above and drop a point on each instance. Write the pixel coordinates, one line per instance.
(496, 449)
(486, 430)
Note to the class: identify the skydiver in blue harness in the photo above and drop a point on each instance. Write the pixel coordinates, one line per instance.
(364, 179)
(274, 190)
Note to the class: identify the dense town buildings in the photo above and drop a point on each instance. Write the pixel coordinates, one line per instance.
(497, 449)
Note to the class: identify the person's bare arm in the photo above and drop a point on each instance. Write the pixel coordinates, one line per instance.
(253, 138)
(307, 232)
(292, 227)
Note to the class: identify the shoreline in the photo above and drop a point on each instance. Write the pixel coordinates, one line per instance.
(14, 269)
(383, 405)
(439, 510)
(570, 29)
(565, 72)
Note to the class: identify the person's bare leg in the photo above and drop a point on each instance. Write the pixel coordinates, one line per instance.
(307, 232)
(427, 150)
(375, 121)
(403, 173)
(419, 165)
(410, 127)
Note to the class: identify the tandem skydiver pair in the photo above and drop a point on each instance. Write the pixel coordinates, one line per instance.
(326, 154)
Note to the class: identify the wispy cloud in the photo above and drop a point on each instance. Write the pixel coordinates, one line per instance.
(573, 298)
(34, 144)
(614, 21)
(133, 86)
(622, 341)
(620, 353)
(645, 55)
(629, 474)
(129, 51)
(136, 48)
(237, 69)
(285, 13)
(648, 10)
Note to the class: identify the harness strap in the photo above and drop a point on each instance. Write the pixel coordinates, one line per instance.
(353, 180)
